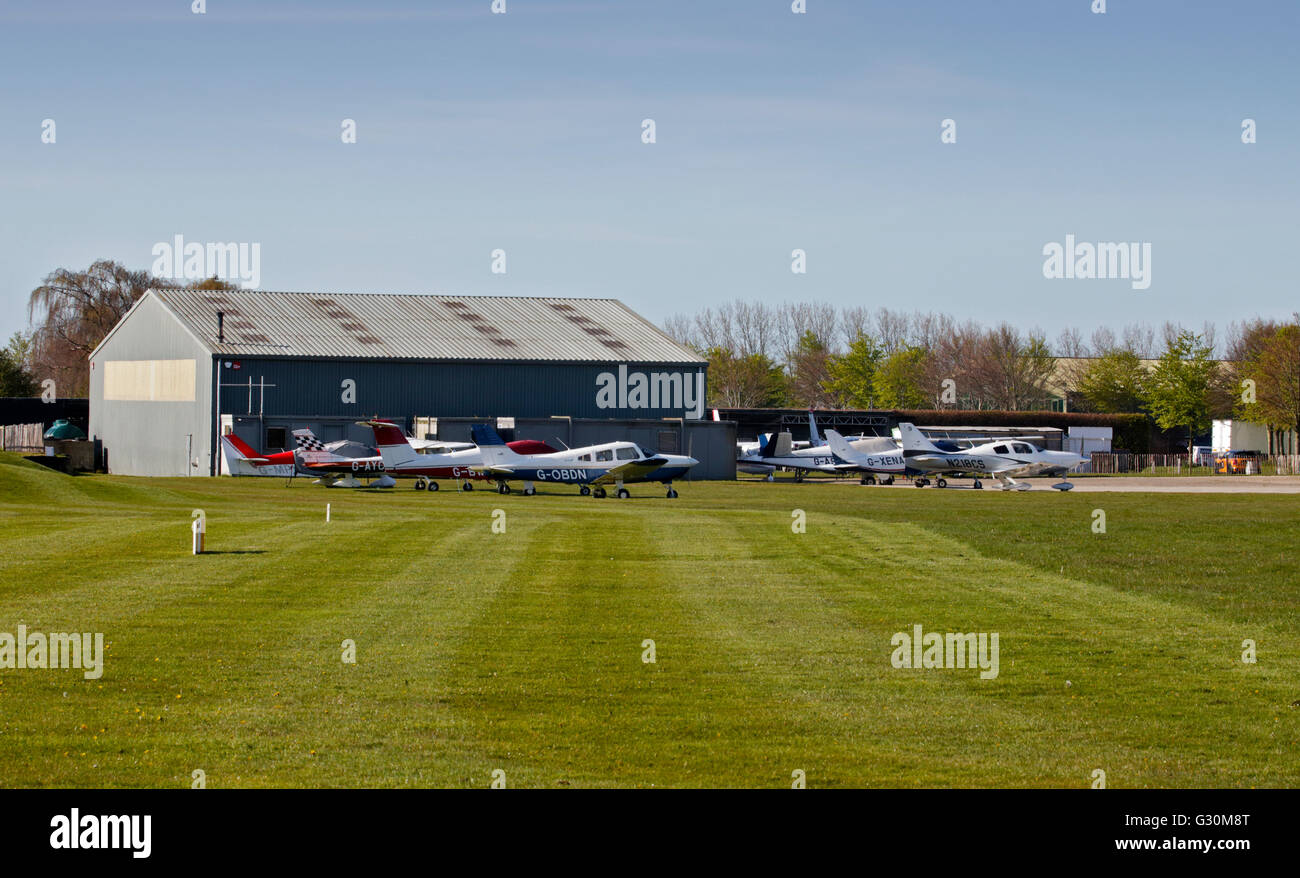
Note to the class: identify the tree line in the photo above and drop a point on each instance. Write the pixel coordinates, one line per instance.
(814, 355)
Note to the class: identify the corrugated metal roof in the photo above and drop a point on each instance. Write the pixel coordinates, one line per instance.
(417, 327)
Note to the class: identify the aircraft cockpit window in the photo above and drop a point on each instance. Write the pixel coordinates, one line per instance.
(607, 454)
(626, 453)
(646, 452)
(1022, 448)
(586, 457)
(1000, 449)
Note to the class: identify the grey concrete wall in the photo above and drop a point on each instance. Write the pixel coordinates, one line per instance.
(143, 438)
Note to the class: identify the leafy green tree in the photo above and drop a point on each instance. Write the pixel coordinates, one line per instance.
(899, 381)
(850, 375)
(1114, 382)
(1178, 391)
(1276, 373)
(15, 380)
(752, 381)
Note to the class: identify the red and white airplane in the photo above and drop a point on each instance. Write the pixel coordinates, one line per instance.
(400, 460)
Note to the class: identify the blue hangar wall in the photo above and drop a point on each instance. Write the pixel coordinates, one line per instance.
(329, 395)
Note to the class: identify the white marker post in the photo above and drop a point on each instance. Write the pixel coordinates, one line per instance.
(196, 528)
(327, 513)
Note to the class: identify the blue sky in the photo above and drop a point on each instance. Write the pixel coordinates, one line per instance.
(775, 131)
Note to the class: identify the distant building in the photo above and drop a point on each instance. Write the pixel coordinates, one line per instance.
(185, 365)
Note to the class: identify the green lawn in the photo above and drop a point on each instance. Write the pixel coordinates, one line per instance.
(523, 651)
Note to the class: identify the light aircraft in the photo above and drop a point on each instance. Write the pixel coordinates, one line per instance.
(592, 467)
(342, 464)
(1001, 458)
(872, 457)
(241, 460)
(399, 459)
(869, 456)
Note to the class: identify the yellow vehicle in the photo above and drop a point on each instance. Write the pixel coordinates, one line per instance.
(1237, 463)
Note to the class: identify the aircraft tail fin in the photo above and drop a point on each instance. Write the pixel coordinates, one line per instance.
(776, 445)
(393, 447)
(812, 429)
(489, 441)
(840, 446)
(306, 440)
(240, 446)
(914, 439)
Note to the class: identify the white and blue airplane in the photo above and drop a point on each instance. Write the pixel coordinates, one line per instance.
(1001, 458)
(592, 467)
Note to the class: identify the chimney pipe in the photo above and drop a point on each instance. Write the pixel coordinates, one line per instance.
(221, 327)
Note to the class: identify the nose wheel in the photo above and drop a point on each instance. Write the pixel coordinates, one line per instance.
(672, 495)
(467, 486)
(978, 485)
(584, 490)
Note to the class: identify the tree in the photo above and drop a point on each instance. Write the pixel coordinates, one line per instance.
(72, 311)
(1276, 373)
(1178, 391)
(809, 371)
(1010, 371)
(850, 375)
(898, 382)
(1114, 382)
(15, 380)
(752, 381)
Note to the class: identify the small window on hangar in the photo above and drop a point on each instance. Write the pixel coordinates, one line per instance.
(276, 437)
(668, 441)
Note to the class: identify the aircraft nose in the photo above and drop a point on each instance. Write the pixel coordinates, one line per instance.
(690, 461)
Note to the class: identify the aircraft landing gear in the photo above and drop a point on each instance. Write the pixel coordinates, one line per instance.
(978, 486)
(432, 486)
(798, 476)
(941, 483)
(467, 486)
(623, 493)
(503, 488)
(420, 484)
(888, 480)
(584, 490)
(529, 490)
(672, 494)
(771, 477)
(867, 480)
(921, 483)
(598, 493)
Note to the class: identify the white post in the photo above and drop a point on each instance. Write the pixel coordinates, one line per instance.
(327, 513)
(196, 528)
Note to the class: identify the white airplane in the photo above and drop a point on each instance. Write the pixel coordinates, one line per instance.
(1002, 458)
(870, 456)
(592, 467)
(398, 458)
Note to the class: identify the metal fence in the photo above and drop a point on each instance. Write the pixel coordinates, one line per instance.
(21, 437)
(1112, 463)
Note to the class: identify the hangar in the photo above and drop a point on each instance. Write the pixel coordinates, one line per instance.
(185, 365)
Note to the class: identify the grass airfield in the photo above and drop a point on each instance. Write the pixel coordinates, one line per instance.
(523, 651)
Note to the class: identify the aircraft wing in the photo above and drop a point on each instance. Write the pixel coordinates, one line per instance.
(633, 469)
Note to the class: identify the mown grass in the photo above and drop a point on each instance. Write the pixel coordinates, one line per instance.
(523, 651)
